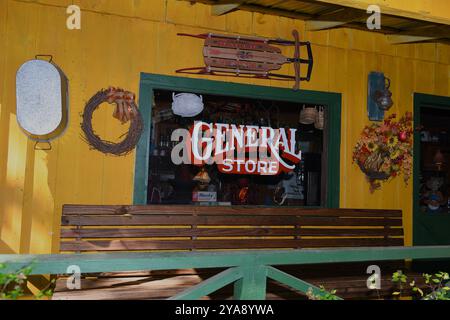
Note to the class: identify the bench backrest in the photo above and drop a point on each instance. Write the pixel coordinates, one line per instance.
(158, 227)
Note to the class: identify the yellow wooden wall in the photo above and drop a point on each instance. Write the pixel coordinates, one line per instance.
(121, 38)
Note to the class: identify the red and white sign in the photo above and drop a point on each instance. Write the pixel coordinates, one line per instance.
(239, 149)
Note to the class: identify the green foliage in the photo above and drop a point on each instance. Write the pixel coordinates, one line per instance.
(437, 286)
(399, 279)
(12, 284)
(323, 295)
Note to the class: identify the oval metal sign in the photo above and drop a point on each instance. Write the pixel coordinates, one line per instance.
(42, 99)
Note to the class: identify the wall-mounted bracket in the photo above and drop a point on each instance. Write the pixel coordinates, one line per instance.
(376, 82)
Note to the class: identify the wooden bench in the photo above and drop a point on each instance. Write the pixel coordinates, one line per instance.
(187, 228)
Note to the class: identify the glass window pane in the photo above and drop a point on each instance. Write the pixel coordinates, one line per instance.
(172, 182)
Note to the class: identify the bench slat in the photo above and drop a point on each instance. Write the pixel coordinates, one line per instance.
(131, 245)
(222, 210)
(224, 220)
(222, 232)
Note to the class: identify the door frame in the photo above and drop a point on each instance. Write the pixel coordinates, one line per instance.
(422, 100)
(150, 82)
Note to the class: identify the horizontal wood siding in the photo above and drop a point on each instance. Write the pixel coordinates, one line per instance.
(34, 184)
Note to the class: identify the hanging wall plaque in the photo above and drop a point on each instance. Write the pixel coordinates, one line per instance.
(251, 57)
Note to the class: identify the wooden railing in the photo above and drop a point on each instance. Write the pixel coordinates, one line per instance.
(248, 270)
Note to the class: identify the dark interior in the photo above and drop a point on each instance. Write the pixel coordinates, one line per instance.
(435, 159)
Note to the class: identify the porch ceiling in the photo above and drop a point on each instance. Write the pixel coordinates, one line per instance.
(416, 23)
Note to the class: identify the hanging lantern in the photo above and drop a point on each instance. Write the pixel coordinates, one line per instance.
(379, 97)
(383, 97)
(308, 115)
(320, 118)
(203, 179)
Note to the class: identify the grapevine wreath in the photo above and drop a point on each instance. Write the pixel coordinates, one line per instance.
(126, 110)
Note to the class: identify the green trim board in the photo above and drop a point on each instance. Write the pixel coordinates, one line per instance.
(427, 229)
(151, 82)
(136, 261)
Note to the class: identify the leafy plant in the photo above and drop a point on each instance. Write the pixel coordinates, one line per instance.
(12, 284)
(400, 279)
(323, 295)
(437, 286)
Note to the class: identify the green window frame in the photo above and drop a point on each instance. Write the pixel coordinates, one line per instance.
(151, 82)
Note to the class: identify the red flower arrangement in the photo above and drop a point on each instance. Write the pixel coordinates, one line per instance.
(385, 150)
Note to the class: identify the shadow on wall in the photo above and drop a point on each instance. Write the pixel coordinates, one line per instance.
(5, 249)
(27, 197)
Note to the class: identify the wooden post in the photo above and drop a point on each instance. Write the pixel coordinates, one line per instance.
(253, 284)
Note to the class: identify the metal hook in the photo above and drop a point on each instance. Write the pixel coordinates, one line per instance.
(388, 82)
(43, 149)
(44, 56)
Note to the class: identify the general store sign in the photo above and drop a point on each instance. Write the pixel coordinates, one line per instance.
(237, 149)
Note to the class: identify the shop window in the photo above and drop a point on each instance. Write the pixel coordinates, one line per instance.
(248, 180)
(435, 158)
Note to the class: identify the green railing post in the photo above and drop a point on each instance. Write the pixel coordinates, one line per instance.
(252, 285)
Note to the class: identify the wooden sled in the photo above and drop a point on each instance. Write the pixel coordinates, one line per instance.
(253, 57)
